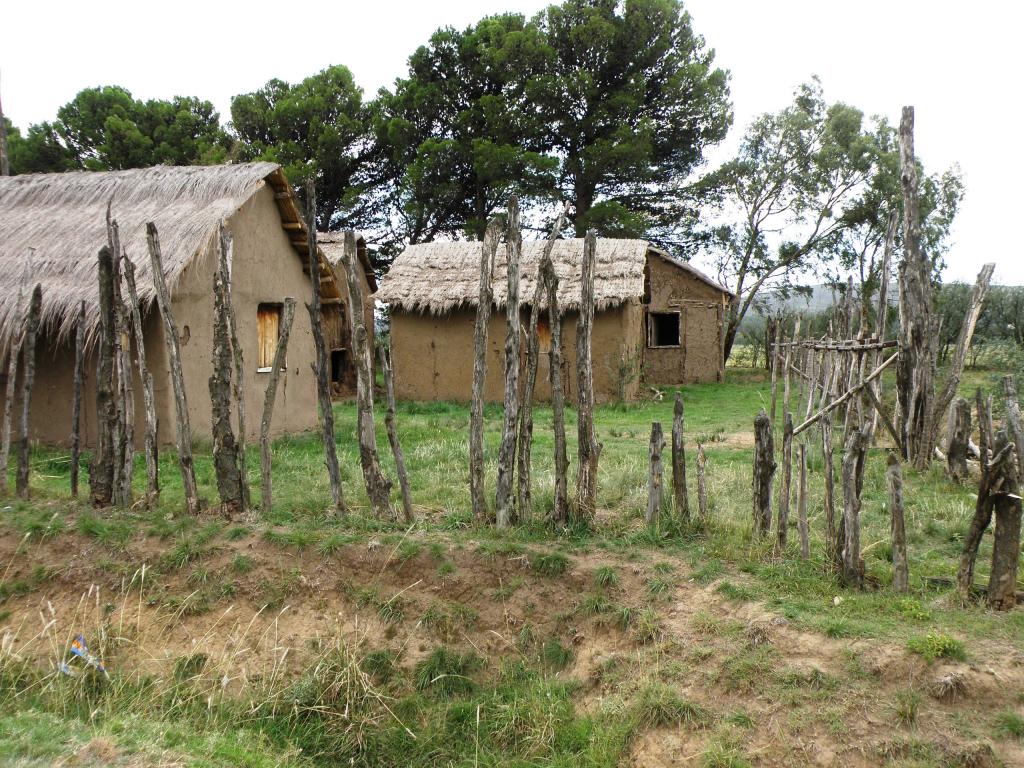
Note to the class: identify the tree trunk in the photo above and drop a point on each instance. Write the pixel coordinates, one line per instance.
(982, 506)
(655, 481)
(485, 297)
(120, 488)
(126, 392)
(702, 484)
(560, 511)
(852, 572)
(378, 487)
(831, 551)
(227, 262)
(764, 472)
(503, 508)
(266, 481)
(101, 473)
(183, 427)
(225, 448)
(321, 364)
(532, 360)
(396, 446)
(782, 531)
(959, 434)
(148, 397)
(76, 399)
(801, 506)
(28, 352)
(679, 493)
(588, 448)
(894, 473)
(915, 371)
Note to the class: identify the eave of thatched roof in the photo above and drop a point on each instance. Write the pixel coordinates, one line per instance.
(61, 219)
(332, 244)
(436, 278)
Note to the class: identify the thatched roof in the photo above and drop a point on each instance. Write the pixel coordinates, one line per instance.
(61, 217)
(438, 277)
(332, 244)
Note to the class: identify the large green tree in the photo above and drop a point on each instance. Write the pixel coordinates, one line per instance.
(460, 134)
(106, 128)
(631, 101)
(319, 128)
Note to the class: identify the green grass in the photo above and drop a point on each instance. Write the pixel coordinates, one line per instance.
(936, 645)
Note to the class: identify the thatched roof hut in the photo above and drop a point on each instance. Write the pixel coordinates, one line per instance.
(659, 320)
(61, 220)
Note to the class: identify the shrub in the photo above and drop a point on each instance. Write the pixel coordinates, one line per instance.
(935, 645)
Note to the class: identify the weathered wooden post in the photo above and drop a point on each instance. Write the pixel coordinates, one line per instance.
(532, 361)
(655, 482)
(894, 474)
(226, 264)
(396, 446)
(101, 473)
(225, 448)
(121, 490)
(28, 351)
(151, 444)
(831, 550)
(764, 472)
(782, 531)
(485, 297)
(320, 366)
(959, 435)
(679, 493)
(503, 509)
(378, 487)
(13, 358)
(269, 397)
(801, 506)
(126, 394)
(560, 511)
(851, 573)
(983, 504)
(702, 484)
(588, 448)
(182, 424)
(1002, 583)
(76, 399)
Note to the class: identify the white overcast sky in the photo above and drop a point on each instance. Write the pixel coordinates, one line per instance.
(960, 64)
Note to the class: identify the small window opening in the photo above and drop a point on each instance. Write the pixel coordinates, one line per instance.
(664, 329)
(338, 366)
(268, 322)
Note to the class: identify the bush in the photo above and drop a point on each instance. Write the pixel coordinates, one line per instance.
(937, 646)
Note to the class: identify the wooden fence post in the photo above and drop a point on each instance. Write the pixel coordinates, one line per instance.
(76, 399)
(226, 264)
(785, 486)
(764, 472)
(392, 428)
(182, 424)
(148, 398)
(852, 574)
(655, 482)
(1002, 583)
(28, 352)
(894, 473)
(126, 393)
(266, 477)
(101, 473)
(225, 447)
(959, 435)
(702, 484)
(679, 492)
(503, 508)
(560, 511)
(588, 448)
(801, 506)
(831, 550)
(485, 297)
(378, 487)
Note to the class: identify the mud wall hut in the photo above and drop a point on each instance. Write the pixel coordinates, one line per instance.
(659, 321)
(62, 218)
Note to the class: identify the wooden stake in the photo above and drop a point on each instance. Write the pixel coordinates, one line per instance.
(560, 511)
(76, 399)
(1002, 583)
(764, 472)
(588, 447)
(503, 509)
(959, 433)
(485, 297)
(831, 550)
(28, 352)
(227, 261)
(851, 573)
(183, 432)
(846, 395)
(126, 390)
(782, 530)
(532, 361)
(121, 490)
(225, 447)
(266, 481)
(679, 492)
(655, 484)
(321, 364)
(396, 446)
(13, 358)
(378, 487)
(148, 397)
(894, 473)
(801, 506)
(702, 484)
(101, 473)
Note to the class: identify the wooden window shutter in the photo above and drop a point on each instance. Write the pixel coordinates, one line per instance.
(268, 320)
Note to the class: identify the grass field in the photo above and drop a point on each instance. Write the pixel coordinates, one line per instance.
(293, 637)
